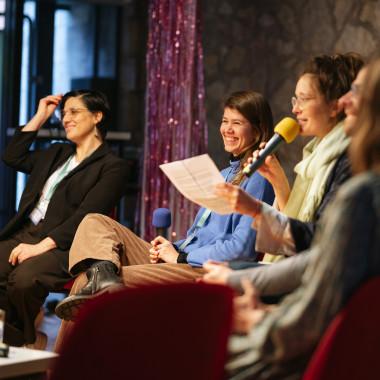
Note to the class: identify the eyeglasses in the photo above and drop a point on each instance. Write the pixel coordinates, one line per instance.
(301, 101)
(355, 89)
(71, 112)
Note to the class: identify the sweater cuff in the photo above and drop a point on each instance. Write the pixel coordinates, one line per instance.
(182, 257)
(274, 233)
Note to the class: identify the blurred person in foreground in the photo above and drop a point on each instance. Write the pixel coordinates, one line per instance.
(278, 341)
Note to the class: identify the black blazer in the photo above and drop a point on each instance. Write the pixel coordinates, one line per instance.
(94, 186)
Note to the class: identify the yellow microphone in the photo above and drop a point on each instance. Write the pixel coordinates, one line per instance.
(286, 130)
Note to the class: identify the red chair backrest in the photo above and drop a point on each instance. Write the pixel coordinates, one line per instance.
(113, 214)
(350, 347)
(167, 332)
(67, 287)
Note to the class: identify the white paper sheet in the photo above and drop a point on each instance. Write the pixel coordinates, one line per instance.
(196, 178)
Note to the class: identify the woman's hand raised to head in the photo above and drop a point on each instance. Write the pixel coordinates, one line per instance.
(45, 109)
(239, 199)
(272, 170)
(49, 104)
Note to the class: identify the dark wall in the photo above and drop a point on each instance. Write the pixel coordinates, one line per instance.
(261, 45)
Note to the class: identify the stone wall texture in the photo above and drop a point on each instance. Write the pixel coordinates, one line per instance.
(261, 45)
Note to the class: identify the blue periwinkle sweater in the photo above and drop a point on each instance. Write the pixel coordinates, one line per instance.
(228, 237)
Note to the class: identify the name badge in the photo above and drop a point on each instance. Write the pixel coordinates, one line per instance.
(36, 215)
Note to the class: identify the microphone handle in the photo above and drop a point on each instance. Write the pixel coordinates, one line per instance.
(161, 231)
(270, 148)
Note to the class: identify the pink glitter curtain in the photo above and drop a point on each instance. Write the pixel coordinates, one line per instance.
(175, 114)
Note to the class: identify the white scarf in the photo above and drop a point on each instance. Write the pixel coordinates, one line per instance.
(319, 158)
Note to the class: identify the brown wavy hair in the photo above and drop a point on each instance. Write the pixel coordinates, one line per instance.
(365, 146)
(256, 109)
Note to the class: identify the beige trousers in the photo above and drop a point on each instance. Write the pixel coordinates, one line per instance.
(100, 237)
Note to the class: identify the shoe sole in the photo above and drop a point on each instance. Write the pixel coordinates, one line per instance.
(69, 308)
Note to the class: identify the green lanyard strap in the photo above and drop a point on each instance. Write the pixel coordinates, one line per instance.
(61, 175)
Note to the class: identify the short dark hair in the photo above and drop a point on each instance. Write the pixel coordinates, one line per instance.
(94, 101)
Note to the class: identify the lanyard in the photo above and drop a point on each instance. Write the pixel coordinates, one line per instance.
(39, 210)
(61, 175)
(201, 221)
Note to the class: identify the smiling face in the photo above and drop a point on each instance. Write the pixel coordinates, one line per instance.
(351, 101)
(315, 116)
(237, 132)
(78, 121)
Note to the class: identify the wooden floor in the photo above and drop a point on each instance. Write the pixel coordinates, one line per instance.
(50, 322)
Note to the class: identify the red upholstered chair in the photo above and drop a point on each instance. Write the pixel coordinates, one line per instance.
(167, 332)
(350, 348)
(67, 287)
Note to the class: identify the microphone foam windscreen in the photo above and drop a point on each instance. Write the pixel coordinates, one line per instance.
(162, 218)
(288, 128)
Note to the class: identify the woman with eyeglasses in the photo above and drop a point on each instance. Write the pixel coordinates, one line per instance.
(278, 342)
(66, 182)
(323, 169)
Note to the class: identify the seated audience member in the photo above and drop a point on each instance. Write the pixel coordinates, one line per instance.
(66, 181)
(324, 166)
(285, 276)
(101, 244)
(277, 342)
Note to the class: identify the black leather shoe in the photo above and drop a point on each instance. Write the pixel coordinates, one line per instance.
(101, 279)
